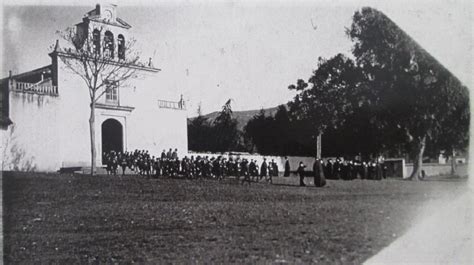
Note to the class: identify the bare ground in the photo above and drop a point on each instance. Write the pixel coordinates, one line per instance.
(65, 219)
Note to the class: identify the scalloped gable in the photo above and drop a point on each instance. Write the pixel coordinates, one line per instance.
(95, 15)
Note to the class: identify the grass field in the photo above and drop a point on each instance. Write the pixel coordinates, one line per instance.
(64, 219)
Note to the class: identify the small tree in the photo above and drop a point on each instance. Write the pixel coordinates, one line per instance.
(92, 59)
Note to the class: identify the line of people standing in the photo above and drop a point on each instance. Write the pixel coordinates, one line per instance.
(341, 169)
(168, 164)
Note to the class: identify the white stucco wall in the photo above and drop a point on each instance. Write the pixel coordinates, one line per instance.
(53, 132)
(30, 143)
(145, 127)
(73, 119)
(155, 129)
(279, 160)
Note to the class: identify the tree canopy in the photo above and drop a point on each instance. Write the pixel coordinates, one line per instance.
(393, 97)
(220, 135)
(390, 97)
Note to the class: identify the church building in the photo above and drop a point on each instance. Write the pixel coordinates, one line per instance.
(44, 113)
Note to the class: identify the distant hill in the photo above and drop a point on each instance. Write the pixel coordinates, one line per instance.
(242, 116)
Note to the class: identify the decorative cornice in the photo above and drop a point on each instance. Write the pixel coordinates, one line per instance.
(134, 66)
(120, 23)
(113, 107)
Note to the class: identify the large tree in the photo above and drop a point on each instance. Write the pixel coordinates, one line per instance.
(90, 55)
(410, 91)
(393, 98)
(330, 97)
(279, 134)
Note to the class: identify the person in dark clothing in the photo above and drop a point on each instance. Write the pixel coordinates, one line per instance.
(345, 170)
(163, 155)
(244, 166)
(252, 169)
(378, 171)
(384, 169)
(123, 163)
(364, 170)
(287, 167)
(318, 171)
(352, 170)
(300, 171)
(371, 170)
(157, 166)
(169, 155)
(337, 169)
(263, 169)
(174, 155)
(270, 169)
(275, 168)
(358, 169)
(329, 169)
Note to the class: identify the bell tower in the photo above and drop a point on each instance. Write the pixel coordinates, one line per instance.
(107, 32)
(108, 13)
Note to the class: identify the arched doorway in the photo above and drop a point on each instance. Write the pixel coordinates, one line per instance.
(112, 137)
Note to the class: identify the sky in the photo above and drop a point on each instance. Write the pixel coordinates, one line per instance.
(247, 51)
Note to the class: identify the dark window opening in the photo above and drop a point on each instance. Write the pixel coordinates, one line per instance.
(109, 44)
(96, 41)
(121, 47)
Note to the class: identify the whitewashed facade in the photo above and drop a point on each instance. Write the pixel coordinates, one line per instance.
(45, 112)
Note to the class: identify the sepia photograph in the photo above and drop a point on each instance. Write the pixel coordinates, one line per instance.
(236, 132)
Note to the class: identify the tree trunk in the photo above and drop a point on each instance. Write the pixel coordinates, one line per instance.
(318, 146)
(92, 134)
(453, 163)
(418, 163)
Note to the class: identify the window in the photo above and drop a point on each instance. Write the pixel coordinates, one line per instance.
(111, 93)
(96, 41)
(121, 47)
(109, 44)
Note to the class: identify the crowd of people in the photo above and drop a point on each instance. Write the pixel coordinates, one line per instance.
(168, 164)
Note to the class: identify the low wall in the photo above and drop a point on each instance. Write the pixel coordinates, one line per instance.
(434, 169)
(280, 160)
(396, 167)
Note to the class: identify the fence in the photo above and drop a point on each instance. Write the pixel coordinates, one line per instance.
(35, 89)
(164, 104)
